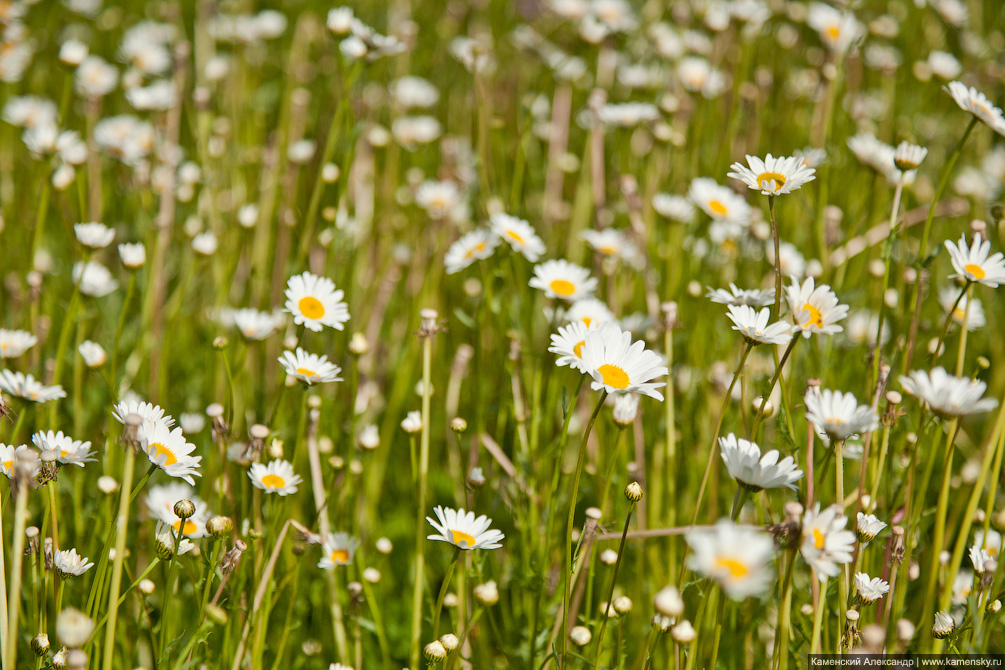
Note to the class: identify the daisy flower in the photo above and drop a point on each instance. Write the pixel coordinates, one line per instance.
(993, 543)
(838, 30)
(867, 527)
(254, 325)
(979, 557)
(974, 264)
(944, 625)
(773, 176)
(612, 243)
(309, 368)
(94, 279)
(946, 394)
(562, 279)
(518, 234)
(815, 309)
(68, 450)
(13, 343)
(438, 198)
(870, 589)
(93, 354)
(908, 157)
(7, 458)
(463, 530)
(150, 413)
(971, 100)
(475, 246)
(839, 414)
(314, 302)
(738, 296)
(161, 501)
(568, 344)
(826, 543)
(28, 388)
(753, 325)
(68, 563)
(170, 451)
(339, 549)
(738, 558)
(755, 472)
(974, 320)
(590, 311)
(674, 207)
(93, 235)
(619, 365)
(276, 477)
(718, 201)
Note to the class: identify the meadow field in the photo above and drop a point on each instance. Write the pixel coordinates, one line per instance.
(531, 334)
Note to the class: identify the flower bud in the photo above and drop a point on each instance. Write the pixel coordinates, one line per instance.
(684, 632)
(220, 526)
(668, 602)
(487, 594)
(434, 651)
(184, 509)
(580, 636)
(40, 644)
(633, 492)
(450, 642)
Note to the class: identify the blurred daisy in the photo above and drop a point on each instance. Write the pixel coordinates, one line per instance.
(738, 296)
(839, 414)
(68, 563)
(974, 320)
(944, 625)
(773, 176)
(518, 234)
(309, 368)
(619, 365)
(590, 311)
(568, 344)
(94, 235)
(475, 246)
(94, 279)
(815, 309)
(161, 501)
(738, 558)
(993, 543)
(626, 408)
(674, 207)
(170, 451)
(68, 450)
(254, 325)
(947, 395)
(13, 343)
(28, 388)
(971, 100)
(627, 114)
(612, 243)
(870, 589)
(867, 527)
(562, 279)
(753, 325)
(979, 557)
(314, 302)
(908, 157)
(339, 549)
(276, 477)
(872, 153)
(838, 30)
(755, 472)
(7, 457)
(463, 530)
(974, 264)
(719, 202)
(133, 256)
(826, 543)
(438, 198)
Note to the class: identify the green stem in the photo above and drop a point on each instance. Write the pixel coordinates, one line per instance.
(610, 592)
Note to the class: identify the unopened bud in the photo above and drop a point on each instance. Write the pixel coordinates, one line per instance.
(633, 492)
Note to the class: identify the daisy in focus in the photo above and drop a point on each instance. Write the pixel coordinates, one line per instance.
(619, 365)
(170, 451)
(27, 387)
(738, 558)
(463, 530)
(826, 543)
(753, 325)
(315, 303)
(974, 263)
(773, 176)
(839, 414)
(68, 563)
(568, 345)
(946, 394)
(276, 477)
(562, 279)
(68, 450)
(161, 501)
(753, 471)
(870, 589)
(815, 309)
(309, 368)
(339, 549)
(971, 100)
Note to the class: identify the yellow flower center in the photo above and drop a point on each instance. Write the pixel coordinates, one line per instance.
(815, 319)
(63, 453)
(340, 556)
(563, 287)
(818, 539)
(587, 320)
(976, 270)
(157, 449)
(273, 481)
(307, 373)
(515, 237)
(613, 376)
(959, 314)
(718, 207)
(8, 465)
(578, 349)
(311, 307)
(776, 177)
(735, 567)
(834, 32)
(609, 250)
(189, 527)
(462, 539)
(475, 249)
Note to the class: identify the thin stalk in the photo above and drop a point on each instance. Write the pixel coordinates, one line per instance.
(121, 525)
(443, 592)
(610, 591)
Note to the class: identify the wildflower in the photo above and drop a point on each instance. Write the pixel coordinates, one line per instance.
(94, 279)
(674, 207)
(170, 451)
(13, 343)
(580, 636)
(276, 477)
(338, 550)
(964, 310)
(611, 243)
(309, 368)
(971, 100)
(412, 423)
(487, 594)
(73, 628)
(626, 408)
(815, 309)
(562, 279)
(94, 235)
(868, 527)
(755, 472)
(8, 457)
(909, 156)
(161, 502)
(870, 589)
(947, 395)
(95, 78)
(974, 264)
(150, 414)
(463, 530)
(28, 388)
(518, 234)
(839, 414)
(93, 354)
(753, 325)
(568, 344)
(69, 564)
(773, 176)
(826, 543)
(668, 602)
(476, 245)
(979, 557)
(68, 450)
(719, 202)
(133, 256)
(315, 303)
(205, 243)
(737, 558)
(627, 114)
(254, 325)
(738, 296)
(619, 365)
(438, 198)
(944, 625)
(838, 30)
(684, 632)
(369, 437)
(589, 311)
